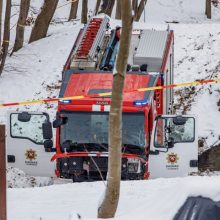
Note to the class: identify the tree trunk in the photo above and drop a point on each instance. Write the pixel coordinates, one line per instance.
(110, 202)
(140, 10)
(73, 10)
(110, 7)
(43, 20)
(209, 160)
(135, 6)
(118, 10)
(208, 9)
(104, 6)
(84, 11)
(1, 3)
(24, 8)
(6, 35)
(107, 7)
(98, 2)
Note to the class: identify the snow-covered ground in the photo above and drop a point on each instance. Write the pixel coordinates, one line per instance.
(153, 199)
(34, 72)
(16, 178)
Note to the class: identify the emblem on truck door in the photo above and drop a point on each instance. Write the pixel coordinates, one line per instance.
(31, 156)
(172, 158)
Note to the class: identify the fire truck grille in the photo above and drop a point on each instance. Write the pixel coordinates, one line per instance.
(100, 163)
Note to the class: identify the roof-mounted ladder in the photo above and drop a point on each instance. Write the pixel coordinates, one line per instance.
(92, 39)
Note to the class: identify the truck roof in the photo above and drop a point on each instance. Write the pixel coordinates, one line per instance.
(97, 45)
(84, 83)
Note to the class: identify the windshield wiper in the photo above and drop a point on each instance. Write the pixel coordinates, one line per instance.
(98, 146)
(70, 146)
(132, 148)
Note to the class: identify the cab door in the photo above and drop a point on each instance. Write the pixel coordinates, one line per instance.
(28, 148)
(174, 147)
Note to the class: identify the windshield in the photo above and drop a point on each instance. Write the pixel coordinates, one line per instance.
(92, 128)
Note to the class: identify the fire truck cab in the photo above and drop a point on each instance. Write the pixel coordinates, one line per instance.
(152, 138)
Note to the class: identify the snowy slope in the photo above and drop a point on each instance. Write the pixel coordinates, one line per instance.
(141, 200)
(183, 11)
(34, 72)
(197, 57)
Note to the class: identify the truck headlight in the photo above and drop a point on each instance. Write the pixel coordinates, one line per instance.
(133, 167)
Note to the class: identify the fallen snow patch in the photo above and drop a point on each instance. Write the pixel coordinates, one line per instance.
(18, 179)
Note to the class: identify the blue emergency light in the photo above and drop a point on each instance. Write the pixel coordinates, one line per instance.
(65, 101)
(140, 102)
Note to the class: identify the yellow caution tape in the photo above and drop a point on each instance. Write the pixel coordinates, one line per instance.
(199, 82)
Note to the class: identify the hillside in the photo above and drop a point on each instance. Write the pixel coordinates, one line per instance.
(34, 72)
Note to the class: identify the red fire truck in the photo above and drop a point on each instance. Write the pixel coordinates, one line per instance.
(81, 123)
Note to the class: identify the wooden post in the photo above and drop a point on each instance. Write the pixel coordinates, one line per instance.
(2, 174)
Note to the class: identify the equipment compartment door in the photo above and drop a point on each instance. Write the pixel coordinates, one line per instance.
(25, 144)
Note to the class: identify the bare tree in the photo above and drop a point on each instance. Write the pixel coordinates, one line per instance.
(73, 10)
(138, 10)
(107, 7)
(19, 39)
(135, 5)
(110, 202)
(208, 9)
(84, 11)
(43, 20)
(1, 2)
(98, 2)
(6, 36)
(118, 10)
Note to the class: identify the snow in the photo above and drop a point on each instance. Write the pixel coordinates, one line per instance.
(197, 57)
(154, 199)
(184, 11)
(18, 179)
(34, 72)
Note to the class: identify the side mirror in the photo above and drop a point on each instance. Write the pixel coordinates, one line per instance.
(156, 152)
(48, 146)
(47, 130)
(24, 117)
(170, 143)
(179, 120)
(59, 121)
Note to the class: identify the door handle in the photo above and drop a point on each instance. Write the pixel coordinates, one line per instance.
(11, 158)
(193, 163)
